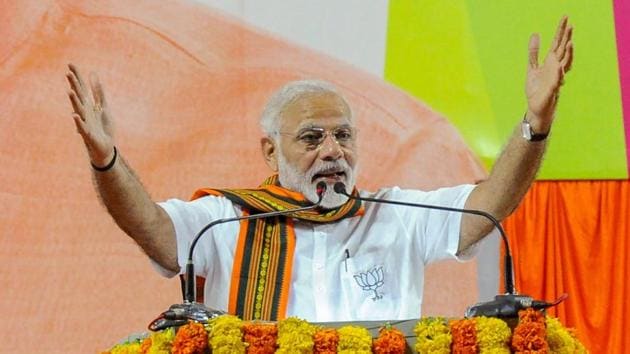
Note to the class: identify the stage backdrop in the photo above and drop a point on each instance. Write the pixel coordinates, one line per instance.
(467, 59)
(186, 82)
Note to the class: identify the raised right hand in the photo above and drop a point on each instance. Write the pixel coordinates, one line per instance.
(91, 116)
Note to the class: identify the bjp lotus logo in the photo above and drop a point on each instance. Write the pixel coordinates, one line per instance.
(371, 280)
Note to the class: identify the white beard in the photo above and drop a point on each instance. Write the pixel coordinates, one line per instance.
(295, 180)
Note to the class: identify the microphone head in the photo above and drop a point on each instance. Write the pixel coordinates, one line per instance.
(321, 188)
(340, 188)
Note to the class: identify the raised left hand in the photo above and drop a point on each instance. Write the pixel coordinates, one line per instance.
(543, 82)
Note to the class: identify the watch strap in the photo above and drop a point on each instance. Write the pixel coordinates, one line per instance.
(529, 134)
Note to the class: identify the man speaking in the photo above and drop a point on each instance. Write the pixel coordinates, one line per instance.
(345, 260)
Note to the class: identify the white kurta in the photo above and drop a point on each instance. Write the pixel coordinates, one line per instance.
(360, 268)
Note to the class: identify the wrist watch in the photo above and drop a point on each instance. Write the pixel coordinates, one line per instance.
(529, 134)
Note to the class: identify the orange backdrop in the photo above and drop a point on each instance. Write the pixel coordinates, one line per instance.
(573, 237)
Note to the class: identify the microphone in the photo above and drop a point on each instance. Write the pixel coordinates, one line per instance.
(506, 305)
(179, 314)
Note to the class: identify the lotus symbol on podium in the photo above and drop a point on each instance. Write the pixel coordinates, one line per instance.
(371, 281)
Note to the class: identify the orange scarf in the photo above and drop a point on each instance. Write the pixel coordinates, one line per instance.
(261, 273)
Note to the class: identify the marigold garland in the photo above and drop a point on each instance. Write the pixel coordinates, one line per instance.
(260, 338)
(433, 336)
(562, 340)
(146, 344)
(535, 333)
(354, 340)
(158, 342)
(225, 335)
(325, 341)
(493, 335)
(464, 334)
(191, 338)
(390, 341)
(530, 333)
(295, 336)
(126, 348)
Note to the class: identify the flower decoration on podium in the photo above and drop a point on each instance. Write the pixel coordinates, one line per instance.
(533, 332)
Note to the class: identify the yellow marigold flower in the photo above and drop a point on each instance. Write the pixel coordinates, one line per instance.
(493, 335)
(354, 340)
(126, 348)
(560, 339)
(162, 342)
(433, 336)
(295, 336)
(226, 335)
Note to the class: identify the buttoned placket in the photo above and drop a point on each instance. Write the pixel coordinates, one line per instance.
(320, 281)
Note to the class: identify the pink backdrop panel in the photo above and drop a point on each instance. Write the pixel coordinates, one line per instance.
(622, 30)
(186, 85)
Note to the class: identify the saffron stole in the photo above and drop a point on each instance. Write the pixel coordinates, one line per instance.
(261, 273)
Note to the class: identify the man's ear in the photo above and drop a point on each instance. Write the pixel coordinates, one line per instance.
(270, 151)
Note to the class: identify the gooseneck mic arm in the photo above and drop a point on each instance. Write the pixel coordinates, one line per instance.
(507, 305)
(189, 293)
(180, 314)
(340, 188)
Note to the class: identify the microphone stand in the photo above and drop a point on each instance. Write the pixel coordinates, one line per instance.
(505, 305)
(179, 314)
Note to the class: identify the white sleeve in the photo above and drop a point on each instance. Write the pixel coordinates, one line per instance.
(438, 231)
(188, 219)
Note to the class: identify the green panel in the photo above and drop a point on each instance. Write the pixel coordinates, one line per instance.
(467, 59)
(431, 55)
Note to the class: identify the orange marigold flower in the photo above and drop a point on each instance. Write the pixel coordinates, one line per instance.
(530, 335)
(531, 315)
(325, 341)
(190, 339)
(389, 341)
(261, 338)
(146, 345)
(464, 334)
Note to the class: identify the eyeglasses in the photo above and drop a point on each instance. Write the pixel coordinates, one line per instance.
(311, 138)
